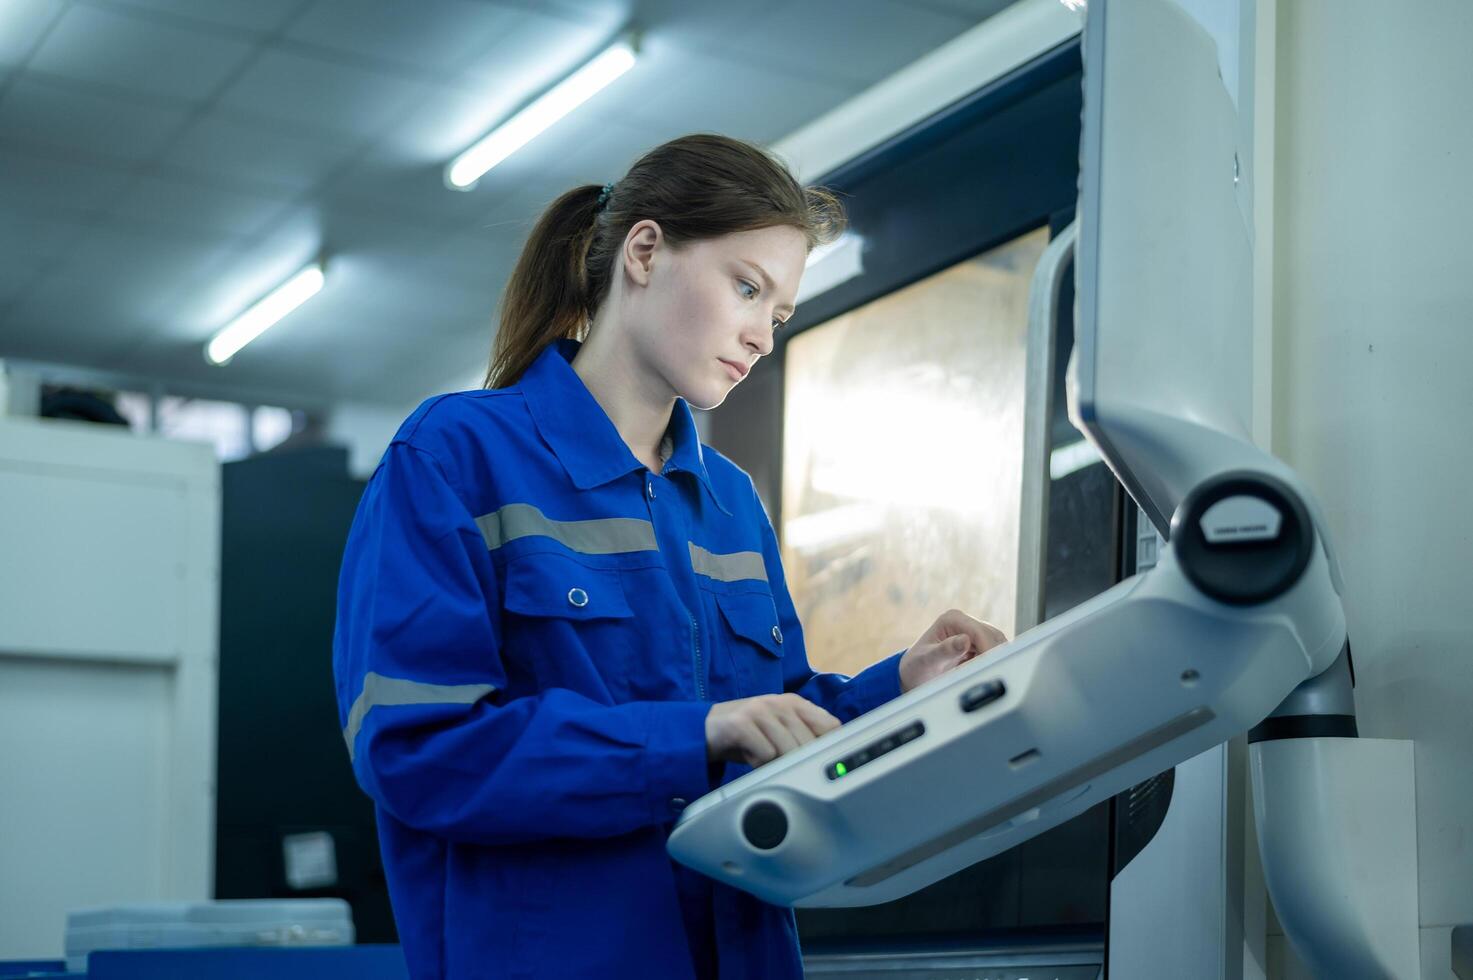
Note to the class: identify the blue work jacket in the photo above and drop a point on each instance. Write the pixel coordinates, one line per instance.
(531, 629)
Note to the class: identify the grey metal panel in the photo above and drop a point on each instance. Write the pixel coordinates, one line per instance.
(1175, 910)
(116, 49)
(1038, 400)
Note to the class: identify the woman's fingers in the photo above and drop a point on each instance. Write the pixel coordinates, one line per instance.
(819, 721)
(983, 635)
(759, 729)
(755, 747)
(777, 733)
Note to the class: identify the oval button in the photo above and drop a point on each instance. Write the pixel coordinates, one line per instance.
(578, 597)
(777, 635)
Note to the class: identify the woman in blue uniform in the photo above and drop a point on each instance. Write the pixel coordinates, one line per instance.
(561, 618)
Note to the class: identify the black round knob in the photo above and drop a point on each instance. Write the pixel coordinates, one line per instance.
(764, 825)
(1252, 567)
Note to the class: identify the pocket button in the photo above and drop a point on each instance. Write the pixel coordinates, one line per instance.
(777, 635)
(578, 597)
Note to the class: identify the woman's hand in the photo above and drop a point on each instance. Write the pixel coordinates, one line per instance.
(951, 641)
(758, 730)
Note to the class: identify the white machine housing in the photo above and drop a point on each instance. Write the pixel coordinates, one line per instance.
(1138, 679)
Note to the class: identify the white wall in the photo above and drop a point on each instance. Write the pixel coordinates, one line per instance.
(109, 591)
(1373, 348)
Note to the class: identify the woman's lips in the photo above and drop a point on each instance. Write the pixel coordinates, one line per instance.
(736, 372)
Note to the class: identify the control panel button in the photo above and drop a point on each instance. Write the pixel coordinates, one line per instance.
(873, 751)
(983, 694)
(764, 825)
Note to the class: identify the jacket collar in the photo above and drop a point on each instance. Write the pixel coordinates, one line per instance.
(584, 438)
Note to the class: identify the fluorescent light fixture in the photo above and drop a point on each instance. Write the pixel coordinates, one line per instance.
(830, 265)
(526, 125)
(261, 317)
(1071, 459)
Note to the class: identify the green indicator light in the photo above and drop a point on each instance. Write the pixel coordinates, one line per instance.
(840, 768)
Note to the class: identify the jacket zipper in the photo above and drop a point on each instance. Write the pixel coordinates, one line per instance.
(695, 640)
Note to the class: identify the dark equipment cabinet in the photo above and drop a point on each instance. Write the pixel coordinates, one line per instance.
(282, 766)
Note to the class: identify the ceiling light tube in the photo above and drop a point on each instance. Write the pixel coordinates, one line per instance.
(265, 314)
(463, 172)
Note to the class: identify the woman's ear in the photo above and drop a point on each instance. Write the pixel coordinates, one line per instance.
(640, 246)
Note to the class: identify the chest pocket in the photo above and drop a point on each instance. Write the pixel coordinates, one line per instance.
(570, 624)
(561, 588)
(754, 640)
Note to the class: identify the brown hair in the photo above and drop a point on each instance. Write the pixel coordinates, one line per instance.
(695, 187)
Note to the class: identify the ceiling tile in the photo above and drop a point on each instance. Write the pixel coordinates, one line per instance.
(689, 25)
(537, 53)
(862, 40)
(15, 280)
(341, 100)
(61, 115)
(256, 154)
(22, 24)
(236, 278)
(129, 268)
(413, 194)
(43, 183)
(41, 237)
(257, 16)
(197, 208)
(66, 321)
(401, 33)
(349, 230)
(738, 98)
(475, 259)
(974, 10)
(123, 50)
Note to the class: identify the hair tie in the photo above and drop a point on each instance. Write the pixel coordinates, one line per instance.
(603, 198)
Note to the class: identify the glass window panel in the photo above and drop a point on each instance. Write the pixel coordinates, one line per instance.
(902, 458)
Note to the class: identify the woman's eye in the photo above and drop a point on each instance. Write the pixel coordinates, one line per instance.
(744, 284)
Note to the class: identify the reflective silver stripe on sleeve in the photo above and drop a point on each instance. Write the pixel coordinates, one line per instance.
(601, 537)
(727, 568)
(379, 690)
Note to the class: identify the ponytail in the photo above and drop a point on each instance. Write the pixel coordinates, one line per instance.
(546, 296)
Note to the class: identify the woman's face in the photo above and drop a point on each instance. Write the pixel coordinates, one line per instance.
(707, 311)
